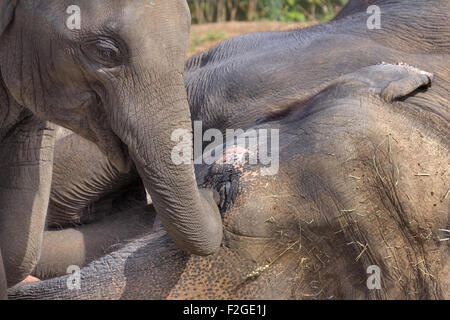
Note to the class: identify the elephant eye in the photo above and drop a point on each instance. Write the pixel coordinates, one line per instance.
(107, 53)
(103, 51)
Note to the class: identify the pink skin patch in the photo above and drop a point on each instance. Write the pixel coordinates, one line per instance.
(234, 155)
(30, 279)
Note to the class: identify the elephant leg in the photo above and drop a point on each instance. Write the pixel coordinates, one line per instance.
(3, 286)
(84, 183)
(26, 161)
(147, 267)
(79, 246)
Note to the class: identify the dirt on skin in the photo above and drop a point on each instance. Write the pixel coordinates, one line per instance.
(205, 36)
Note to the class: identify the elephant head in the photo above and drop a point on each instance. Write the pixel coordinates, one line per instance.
(112, 71)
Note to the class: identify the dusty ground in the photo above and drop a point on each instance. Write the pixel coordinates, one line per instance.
(205, 36)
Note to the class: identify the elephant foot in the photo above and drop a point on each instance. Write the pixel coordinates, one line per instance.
(30, 279)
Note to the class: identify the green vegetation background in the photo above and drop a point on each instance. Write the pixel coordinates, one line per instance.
(209, 11)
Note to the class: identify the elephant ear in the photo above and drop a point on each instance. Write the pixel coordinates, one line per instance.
(389, 81)
(7, 8)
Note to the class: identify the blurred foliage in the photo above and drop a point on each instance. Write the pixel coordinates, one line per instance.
(207, 11)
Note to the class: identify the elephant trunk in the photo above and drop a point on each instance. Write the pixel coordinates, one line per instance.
(152, 114)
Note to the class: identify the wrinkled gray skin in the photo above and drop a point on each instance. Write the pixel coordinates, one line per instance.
(243, 79)
(95, 181)
(118, 83)
(312, 230)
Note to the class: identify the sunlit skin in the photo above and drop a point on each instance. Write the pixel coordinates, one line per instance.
(362, 179)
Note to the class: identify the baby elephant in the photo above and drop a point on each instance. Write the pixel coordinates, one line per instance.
(94, 68)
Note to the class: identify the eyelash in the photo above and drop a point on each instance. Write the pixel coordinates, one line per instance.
(104, 52)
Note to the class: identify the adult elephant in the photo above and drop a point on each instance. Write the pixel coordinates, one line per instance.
(96, 79)
(245, 78)
(348, 220)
